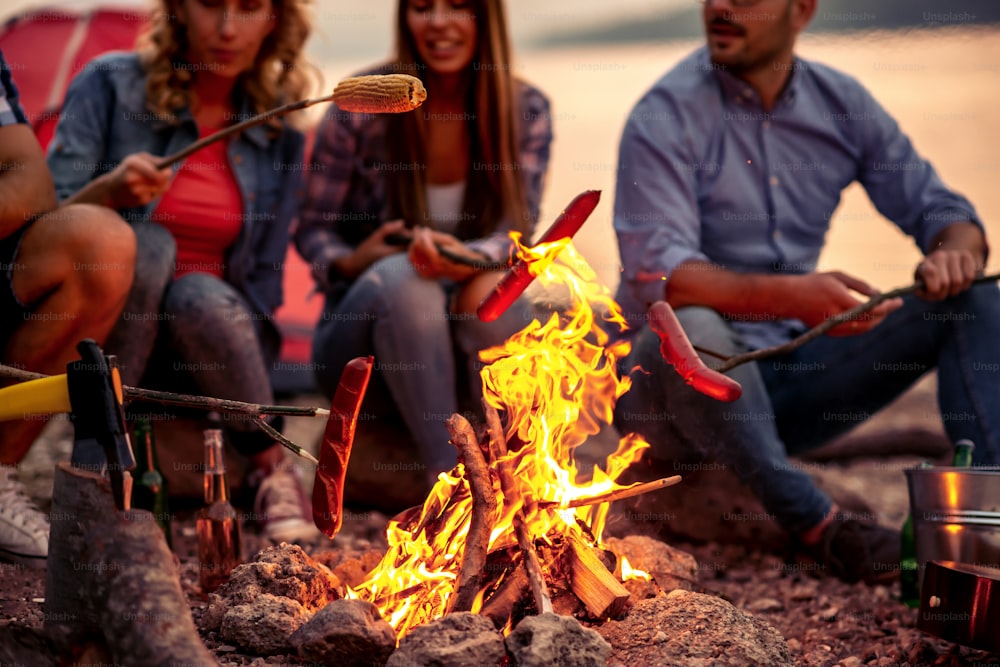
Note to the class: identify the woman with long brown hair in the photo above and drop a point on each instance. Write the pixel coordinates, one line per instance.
(212, 233)
(459, 174)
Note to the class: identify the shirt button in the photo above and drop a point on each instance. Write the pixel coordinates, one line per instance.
(251, 196)
(777, 234)
(766, 124)
(238, 159)
(774, 181)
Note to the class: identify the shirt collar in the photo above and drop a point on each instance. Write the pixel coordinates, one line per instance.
(736, 89)
(257, 134)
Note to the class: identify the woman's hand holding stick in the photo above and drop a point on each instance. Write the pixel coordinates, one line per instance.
(376, 93)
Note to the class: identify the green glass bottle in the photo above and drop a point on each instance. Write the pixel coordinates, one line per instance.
(909, 568)
(963, 454)
(150, 489)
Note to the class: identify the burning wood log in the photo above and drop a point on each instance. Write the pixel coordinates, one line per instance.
(111, 574)
(484, 505)
(498, 449)
(598, 589)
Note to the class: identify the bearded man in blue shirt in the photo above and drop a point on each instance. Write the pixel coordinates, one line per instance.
(709, 219)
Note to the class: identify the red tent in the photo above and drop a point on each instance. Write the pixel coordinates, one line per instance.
(45, 48)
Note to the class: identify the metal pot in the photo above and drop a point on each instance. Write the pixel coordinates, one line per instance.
(961, 603)
(956, 514)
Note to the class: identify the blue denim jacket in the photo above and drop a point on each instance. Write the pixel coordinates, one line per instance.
(105, 118)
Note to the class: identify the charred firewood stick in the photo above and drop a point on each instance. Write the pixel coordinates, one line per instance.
(611, 496)
(501, 605)
(335, 451)
(484, 505)
(498, 449)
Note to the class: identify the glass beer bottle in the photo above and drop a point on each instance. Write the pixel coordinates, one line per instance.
(150, 490)
(218, 524)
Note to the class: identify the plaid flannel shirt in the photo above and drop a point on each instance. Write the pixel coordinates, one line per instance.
(345, 198)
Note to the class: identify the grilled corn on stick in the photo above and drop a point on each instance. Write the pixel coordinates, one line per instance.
(380, 93)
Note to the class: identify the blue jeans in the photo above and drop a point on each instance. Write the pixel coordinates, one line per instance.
(192, 335)
(797, 401)
(404, 320)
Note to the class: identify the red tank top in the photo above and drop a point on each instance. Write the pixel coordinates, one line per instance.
(203, 210)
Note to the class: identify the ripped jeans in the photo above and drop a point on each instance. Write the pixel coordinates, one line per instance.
(795, 402)
(191, 335)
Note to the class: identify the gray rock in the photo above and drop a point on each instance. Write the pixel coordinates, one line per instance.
(671, 568)
(549, 639)
(264, 626)
(700, 629)
(347, 633)
(456, 640)
(285, 571)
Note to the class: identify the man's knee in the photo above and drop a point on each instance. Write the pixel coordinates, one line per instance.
(705, 327)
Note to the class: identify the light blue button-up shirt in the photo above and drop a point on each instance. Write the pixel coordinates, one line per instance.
(706, 174)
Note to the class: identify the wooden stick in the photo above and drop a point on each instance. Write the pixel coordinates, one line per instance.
(288, 444)
(611, 496)
(825, 326)
(484, 505)
(259, 119)
(170, 398)
(498, 449)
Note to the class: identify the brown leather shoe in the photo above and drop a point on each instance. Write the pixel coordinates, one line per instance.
(853, 550)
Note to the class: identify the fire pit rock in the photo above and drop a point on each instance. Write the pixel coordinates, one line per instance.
(686, 629)
(550, 639)
(284, 570)
(671, 568)
(349, 633)
(263, 627)
(456, 640)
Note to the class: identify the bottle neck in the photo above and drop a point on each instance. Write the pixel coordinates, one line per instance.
(963, 454)
(215, 468)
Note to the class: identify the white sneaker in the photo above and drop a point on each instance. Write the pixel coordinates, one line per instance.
(281, 507)
(24, 529)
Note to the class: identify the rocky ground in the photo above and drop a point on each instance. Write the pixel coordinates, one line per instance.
(824, 622)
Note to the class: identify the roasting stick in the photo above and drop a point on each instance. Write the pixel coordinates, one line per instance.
(376, 93)
(730, 362)
(254, 410)
(498, 449)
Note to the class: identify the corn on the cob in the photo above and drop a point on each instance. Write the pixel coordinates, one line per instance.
(380, 93)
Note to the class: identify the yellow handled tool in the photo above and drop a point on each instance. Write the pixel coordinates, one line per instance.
(45, 396)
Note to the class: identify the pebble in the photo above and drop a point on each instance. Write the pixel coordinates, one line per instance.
(765, 605)
(829, 614)
(853, 661)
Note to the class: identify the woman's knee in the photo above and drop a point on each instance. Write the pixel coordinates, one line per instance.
(206, 302)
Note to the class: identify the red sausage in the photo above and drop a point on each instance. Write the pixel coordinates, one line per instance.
(334, 453)
(516, 280)
(677, 350)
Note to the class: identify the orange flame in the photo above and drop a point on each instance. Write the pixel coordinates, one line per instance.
(556, 385)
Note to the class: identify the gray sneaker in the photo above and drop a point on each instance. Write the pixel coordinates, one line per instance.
(282, 508)
(24, 529)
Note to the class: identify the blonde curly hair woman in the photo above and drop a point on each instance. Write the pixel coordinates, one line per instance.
(212, 233)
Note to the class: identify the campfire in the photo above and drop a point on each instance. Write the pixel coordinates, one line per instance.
(517, 512)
